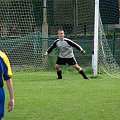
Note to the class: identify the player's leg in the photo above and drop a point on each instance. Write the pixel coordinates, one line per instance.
(60, 61)
(80, 70)
(72, 61)
(2, 99)
(59, 71)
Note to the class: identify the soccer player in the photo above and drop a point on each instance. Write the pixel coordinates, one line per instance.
(5, 74)
(66, 55)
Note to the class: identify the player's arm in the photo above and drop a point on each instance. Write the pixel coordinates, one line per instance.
(49, 50)
(7, 75)
(11, 93)
(75, 45)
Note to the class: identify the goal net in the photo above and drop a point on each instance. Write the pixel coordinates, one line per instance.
(26, 23)
(28, 28)
(107, 60)
(20, 36)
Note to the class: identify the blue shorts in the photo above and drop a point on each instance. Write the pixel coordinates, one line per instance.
(2, 100)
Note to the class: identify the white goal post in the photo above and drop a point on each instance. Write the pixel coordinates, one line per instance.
(96, 25)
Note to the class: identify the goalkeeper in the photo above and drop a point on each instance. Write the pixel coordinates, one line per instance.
(66, 55)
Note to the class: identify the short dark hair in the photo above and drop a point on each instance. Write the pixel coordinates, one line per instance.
(60, 29)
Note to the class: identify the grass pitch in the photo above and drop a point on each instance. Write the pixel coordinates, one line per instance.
(40, 96)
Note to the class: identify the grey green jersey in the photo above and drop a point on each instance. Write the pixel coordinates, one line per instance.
(65, 47)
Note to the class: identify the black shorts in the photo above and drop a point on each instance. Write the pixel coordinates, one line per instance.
(64, 61)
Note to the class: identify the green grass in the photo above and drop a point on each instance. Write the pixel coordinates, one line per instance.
(40, 96)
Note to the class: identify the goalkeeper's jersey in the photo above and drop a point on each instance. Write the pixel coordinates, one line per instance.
(65, 47)
(5, 69)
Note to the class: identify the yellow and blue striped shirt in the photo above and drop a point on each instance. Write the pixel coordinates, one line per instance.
(5, 68)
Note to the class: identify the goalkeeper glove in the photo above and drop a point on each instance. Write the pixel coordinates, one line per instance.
(83, 52)
(46, 53)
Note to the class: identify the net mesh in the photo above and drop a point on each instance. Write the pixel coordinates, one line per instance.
(28, 29)
(17, 22)
(22, 26)
(108, 59)
(107, 62)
